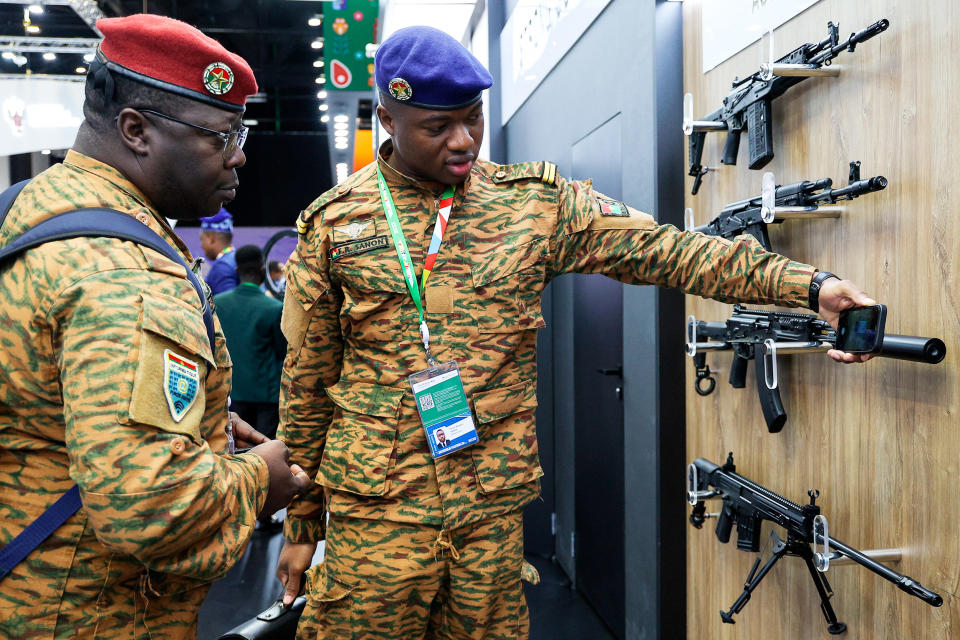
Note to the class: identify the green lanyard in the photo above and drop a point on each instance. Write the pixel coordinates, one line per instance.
(403, 255)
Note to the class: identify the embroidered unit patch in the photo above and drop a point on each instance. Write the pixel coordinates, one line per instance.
(357, 247)
(359, 230)
(400, 89)
(612, 208)
(181, 383)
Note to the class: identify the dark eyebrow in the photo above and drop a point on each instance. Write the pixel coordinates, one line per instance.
(437, 118)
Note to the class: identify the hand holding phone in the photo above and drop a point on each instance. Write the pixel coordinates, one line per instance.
(860, 329)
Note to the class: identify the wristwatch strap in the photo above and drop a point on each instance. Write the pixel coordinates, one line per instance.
(813, 298)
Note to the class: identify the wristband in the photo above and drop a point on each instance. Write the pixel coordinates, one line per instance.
(813, 297)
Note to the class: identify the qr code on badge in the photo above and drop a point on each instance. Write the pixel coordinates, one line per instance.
(426, 402)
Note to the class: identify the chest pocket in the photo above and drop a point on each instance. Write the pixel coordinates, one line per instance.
(169, 387)
(507, 286)
(376, 304)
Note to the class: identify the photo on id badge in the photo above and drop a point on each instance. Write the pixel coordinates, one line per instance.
(443, 408)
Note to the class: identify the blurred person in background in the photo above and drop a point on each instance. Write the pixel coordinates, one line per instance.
(251, 323)
(216, 240)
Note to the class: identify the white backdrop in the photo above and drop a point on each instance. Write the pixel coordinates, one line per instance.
(729, 26)
(37, 114)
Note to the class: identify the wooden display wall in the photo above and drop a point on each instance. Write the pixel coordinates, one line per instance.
(881, 441)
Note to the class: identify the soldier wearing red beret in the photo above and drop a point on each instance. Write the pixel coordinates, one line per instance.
(112, 388)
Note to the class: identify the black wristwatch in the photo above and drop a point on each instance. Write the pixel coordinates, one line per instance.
(813, 297)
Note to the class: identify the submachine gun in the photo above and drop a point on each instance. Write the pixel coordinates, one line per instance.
(748, 504)
(800, 200)
(753, 334)
(748, 105)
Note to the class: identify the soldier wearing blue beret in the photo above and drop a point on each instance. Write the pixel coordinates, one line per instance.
(425, 533)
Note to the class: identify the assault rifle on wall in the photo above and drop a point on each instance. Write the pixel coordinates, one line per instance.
(748, 106)
(800, 200)
(748, 504)
(758, 335)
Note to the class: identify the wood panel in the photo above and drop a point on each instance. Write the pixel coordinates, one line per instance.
(879, 440)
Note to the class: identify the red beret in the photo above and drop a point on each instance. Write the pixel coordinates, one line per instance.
(173, 56)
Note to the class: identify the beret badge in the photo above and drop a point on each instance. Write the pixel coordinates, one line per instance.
(218, 78)
(400, 89)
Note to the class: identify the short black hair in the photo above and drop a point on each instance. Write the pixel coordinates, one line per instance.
(99, 112)
(250, 263)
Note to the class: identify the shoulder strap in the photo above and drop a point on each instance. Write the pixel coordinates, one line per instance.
(106, 223)
(39, 530)
(8, 196)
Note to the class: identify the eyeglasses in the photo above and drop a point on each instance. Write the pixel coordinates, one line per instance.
(232, 140)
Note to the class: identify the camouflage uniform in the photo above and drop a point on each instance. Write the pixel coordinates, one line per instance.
(83, 326)
(347, 412)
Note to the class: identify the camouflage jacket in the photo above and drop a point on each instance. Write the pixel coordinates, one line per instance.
(347, 411)
(84, 326)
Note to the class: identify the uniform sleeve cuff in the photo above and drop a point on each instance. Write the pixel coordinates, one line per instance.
(794, 289)
(302, 530)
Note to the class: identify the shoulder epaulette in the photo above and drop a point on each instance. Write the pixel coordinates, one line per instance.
(544, 171)
(331, 195)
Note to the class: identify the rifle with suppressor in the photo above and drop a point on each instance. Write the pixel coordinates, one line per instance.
(748, 504)
(748, 106)
(778, 203)
(753, 334)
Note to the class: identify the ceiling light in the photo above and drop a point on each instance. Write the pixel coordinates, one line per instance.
(250, 123)
(321, 80)
(318, 63)
(341, 145)
(49, 55)
(315, 21)
(32, 28)
(322, 94)
(341, 118)
(340, 126)
(35, 8)
(81, 69)
(88, 57)
(45, 152)
(324, 118)
(324, 107)
(7, 55)
(317, 44)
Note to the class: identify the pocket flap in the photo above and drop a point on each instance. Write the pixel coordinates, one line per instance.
(500, 263)
(366, 398)
(496, 404)
(177, 321)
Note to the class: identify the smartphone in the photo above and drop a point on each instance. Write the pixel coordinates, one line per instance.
(860, 329)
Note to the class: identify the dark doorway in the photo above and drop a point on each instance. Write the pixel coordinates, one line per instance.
(598, 377)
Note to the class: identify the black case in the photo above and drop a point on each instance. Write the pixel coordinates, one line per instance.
(276, 623)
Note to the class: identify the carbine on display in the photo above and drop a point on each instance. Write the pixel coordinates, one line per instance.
(748, 504)
(748, 106)
(753, 334)
(778, 203)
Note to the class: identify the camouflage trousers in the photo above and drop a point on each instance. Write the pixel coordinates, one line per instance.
(397, 581)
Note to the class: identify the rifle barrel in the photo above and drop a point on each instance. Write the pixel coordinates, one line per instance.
(905, 583)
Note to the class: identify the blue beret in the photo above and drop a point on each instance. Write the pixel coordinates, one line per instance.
(424, 67)
(220, 221)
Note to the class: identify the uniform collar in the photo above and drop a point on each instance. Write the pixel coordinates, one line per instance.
(86, 164)
(397, 177)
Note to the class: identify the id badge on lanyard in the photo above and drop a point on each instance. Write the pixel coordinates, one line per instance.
(443, 408)
(438, 389)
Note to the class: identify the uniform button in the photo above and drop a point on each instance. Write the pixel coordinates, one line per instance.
(143, 217)
(500, 175)
(177, 446)
(342, 190)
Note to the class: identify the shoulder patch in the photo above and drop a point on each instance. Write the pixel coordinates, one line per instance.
(331, 195)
